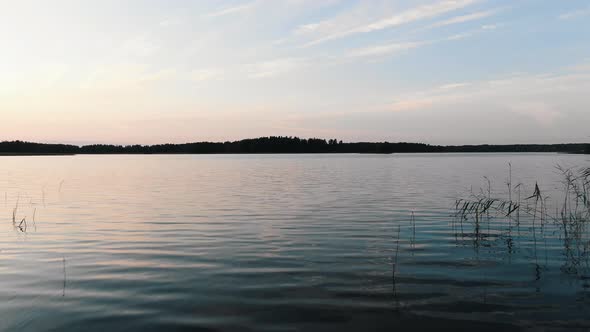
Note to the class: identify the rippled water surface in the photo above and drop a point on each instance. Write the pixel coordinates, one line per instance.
(274, 243)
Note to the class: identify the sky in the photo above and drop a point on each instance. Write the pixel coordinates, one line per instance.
(157, 71)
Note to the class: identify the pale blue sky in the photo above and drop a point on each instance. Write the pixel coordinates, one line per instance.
(154, 71)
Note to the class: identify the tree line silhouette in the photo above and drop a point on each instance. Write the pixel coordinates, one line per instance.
(280, 144)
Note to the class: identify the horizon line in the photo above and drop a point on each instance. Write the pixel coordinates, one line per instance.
(287, 137)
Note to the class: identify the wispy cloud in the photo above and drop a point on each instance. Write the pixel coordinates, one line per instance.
(405, 17)
(395, 48)
(231, 10)
(450, 86)
(307, 28)
(125, 77)
(464, 18)
(575, 14)
(462, 35)
(538, 96)
(387, 49)
(584, 67)
(542, 112)
(256, 70)
(274, 68)
(415, 14)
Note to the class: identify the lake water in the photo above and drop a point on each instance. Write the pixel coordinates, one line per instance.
(275, 243)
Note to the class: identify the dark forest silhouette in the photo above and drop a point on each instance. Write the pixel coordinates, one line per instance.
(280, 144)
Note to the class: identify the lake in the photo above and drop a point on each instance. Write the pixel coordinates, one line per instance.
(280, 243)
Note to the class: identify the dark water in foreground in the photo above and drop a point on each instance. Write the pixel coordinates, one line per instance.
(276, 243)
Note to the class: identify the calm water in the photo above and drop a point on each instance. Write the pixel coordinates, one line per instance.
(273, 243)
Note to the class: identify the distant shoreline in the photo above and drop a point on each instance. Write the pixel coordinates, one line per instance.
(279, 145)
(25, 154)
(263, 153)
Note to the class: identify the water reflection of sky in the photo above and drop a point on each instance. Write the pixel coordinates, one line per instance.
(271, 241)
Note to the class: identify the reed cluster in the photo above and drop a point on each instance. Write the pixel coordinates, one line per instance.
(534, 219)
